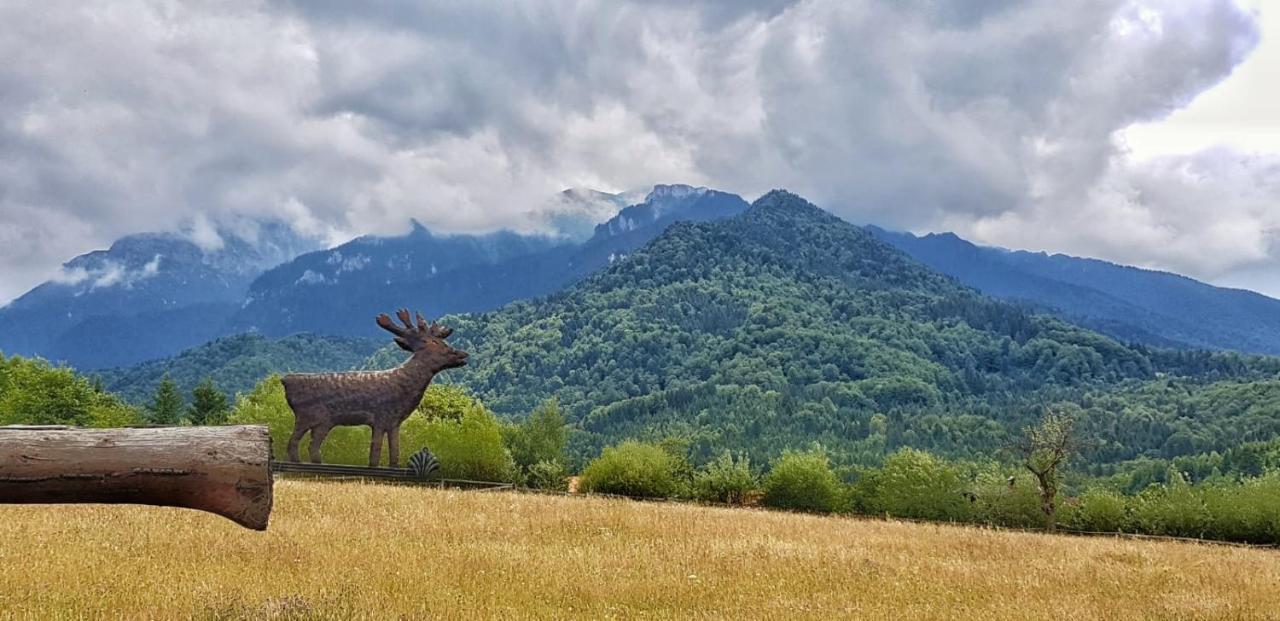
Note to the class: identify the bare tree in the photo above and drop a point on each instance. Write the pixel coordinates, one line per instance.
(1044, 449)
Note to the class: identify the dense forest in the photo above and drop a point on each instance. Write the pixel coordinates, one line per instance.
(786, 326)
(783, 327)
(237, 363)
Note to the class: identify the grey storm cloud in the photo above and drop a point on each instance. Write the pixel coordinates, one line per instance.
(994, 118)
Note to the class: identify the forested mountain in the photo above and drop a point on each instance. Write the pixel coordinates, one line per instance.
(236, 363)
(779, 327)
(146, 296)
(339, 291)
(154, 295)
(786, 325)
(1129, 303)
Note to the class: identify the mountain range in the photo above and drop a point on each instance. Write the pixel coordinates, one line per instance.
(785, 325)
(155, 295)
(1129, 303)
(339, 291)
(151, 296)
(146, 296)
(778, 325)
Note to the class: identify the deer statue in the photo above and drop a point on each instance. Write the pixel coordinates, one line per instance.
(380, 399)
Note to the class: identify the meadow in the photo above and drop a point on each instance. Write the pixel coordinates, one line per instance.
(363, 550)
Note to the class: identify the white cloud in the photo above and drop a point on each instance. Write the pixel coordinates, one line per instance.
(998, 118)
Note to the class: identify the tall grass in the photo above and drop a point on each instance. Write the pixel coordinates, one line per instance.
(353, 550)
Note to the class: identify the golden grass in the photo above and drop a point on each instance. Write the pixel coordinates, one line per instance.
(348, 550)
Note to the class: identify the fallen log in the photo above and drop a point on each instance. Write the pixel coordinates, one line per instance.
(222, 470)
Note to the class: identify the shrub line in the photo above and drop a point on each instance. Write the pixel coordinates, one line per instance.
(891, 518)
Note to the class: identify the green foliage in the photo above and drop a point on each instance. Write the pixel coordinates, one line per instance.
(805, 482)
(469, 447)
(540, 438)
(548, 475)
(238, 363)
(109, 412)
(913, 484)
(725, 480)
(1176, 509)
(1097, 510)
(1247, 511)
(166, 404)
(996, 502)
(785, 326)
(445, 401)
(32, 392)
(632, 469)
(208, 404)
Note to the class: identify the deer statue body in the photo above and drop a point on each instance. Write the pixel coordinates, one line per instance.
(380, 399)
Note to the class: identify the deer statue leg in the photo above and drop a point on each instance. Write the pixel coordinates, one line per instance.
(393, 447)
(318, 434)
(299, 430)
(375, 448)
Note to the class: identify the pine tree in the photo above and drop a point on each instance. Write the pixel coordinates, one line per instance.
(208, 404)
(166, 405)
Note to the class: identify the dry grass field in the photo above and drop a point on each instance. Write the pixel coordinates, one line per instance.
(352, 550)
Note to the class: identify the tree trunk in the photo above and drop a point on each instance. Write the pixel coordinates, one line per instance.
(1048, 498)
(222, 470)
(1050, 515)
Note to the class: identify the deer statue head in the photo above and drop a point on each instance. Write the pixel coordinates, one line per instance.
(423, 339)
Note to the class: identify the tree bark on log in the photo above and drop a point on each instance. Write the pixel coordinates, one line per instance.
(222, 470)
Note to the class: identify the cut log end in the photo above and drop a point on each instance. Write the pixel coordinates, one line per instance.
(220, 470)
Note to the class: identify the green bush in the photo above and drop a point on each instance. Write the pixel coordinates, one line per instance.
(548, 475)
(113, 413)
(445, 401)
(803, 481)
(1248, 511)
(469, 447)
(1097, 510)
(540, 438)
(914, 484)
(725, 480)
(632, 469)
(999, 504)
(1174, 509)
(33, 392)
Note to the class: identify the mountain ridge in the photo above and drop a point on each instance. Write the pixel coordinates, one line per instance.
(145, 296)
(1151, 306)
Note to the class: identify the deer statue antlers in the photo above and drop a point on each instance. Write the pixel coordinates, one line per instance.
(412, 334)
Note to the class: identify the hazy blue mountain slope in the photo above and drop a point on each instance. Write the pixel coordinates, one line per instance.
(783, 326)
(130, 302)
(339, 291)
(1126, 302)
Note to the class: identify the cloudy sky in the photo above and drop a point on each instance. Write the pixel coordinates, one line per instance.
(1141, 131)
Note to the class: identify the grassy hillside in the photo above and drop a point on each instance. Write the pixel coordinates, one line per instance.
(421, 553)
